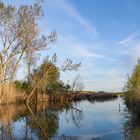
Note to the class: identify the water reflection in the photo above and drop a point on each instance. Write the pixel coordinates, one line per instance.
(68, 121)
(37, 121)
(131, 127)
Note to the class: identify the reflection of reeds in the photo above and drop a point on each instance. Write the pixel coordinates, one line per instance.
(13, 112)
(42, 118)
(7, 115)
(8, 112)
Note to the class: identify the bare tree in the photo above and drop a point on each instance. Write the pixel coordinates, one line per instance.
(19, 36)
(77, 84)
(30, 60)
(19, 33)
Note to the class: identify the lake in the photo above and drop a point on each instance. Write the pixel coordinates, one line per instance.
(98, 120)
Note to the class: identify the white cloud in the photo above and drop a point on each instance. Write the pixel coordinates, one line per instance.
(81, 51)
(130, 54)
(129, 40)
(71, 11)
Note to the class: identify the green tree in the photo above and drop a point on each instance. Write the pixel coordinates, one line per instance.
(50, 81)
(21, 85)
(48, 73)
(132, 87)
(132, 90)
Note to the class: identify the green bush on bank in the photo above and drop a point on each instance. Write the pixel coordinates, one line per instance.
(21, 85)
(132, 89)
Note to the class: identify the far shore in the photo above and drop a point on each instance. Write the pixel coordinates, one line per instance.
(84, 95)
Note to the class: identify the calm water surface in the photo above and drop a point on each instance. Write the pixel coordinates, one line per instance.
(98, 120)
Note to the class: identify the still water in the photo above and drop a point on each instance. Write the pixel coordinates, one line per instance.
(98, 120)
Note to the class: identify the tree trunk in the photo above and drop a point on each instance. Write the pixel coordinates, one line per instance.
(16, 67)
(1, 68)
(29, 71)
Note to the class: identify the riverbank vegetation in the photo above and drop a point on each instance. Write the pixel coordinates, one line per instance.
(132, 90)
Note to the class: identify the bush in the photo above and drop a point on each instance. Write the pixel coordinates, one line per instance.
(18, 84)
(21, 85)
(132, 90)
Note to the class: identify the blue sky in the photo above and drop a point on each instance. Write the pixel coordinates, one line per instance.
(102, 34)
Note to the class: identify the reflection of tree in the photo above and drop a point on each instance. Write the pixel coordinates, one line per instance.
(75, 115)
(7, 114)
(131, 128)
(36, 120)
(44, 122)
(40, 120)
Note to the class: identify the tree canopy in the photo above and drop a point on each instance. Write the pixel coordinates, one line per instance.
(19, 34)
(132, 87)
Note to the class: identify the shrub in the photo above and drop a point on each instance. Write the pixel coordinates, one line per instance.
(22, 85)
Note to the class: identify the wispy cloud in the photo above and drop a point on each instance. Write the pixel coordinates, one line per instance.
(83, 49)
(71, 11)
(129, 55)
(127, 41)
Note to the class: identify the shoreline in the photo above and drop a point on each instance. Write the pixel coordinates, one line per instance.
(61, 96)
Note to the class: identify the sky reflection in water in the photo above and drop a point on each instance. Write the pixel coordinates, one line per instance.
(96, 120)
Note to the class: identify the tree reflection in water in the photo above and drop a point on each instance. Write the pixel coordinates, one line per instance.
(74, 114)
(131, 127)
(40, 121)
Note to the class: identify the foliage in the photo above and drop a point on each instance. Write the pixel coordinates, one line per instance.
(132, 89)
(22, 85)
(57, 85)
(50, 81)
(67, 86)
(133, 84)
(48, 73)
